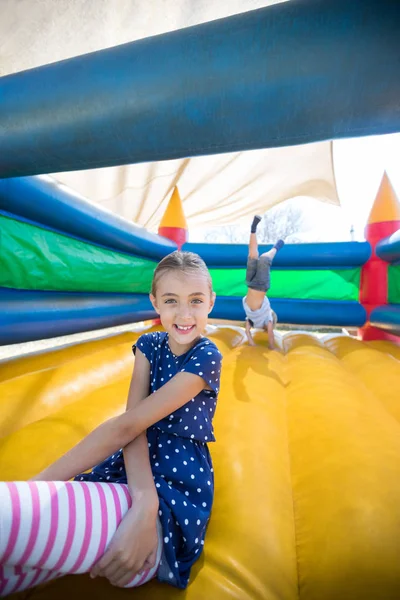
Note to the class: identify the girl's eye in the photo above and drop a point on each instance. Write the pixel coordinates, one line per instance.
(197, 301)
(169, 301)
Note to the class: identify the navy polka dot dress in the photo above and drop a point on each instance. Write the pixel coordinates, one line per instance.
(179, 455)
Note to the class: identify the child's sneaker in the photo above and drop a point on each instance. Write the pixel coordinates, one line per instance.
(279, 244)
(255, 222)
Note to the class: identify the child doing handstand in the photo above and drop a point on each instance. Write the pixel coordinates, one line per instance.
(144, 510)
(256, 304)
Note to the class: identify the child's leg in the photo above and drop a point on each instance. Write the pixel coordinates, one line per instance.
(253, 244)
(251, 268)
(59, 527)
(264, 265)
(271, 253)
(263, 273)
(252, 259)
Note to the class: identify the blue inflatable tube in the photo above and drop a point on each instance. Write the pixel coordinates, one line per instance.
(45, 202)
(29, 315)
(292, 73)
(299, 312)
(32, 315)
(308, 256)
(388, 249)
(387, 318)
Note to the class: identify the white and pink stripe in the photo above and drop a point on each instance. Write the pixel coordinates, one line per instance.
(48, 529)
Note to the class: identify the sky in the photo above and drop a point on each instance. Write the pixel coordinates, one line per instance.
(359, 165)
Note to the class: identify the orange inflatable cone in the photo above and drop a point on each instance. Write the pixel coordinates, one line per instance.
(173, 224)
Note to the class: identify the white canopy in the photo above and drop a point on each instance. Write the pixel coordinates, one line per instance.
(215, 190)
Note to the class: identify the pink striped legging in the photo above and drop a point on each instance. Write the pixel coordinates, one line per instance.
(51, 528)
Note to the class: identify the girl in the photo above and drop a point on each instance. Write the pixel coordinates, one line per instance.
(256, 304)
(143, 512)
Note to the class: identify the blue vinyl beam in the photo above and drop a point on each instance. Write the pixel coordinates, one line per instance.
(387, 318)
(299, 312)
(307, 256)
(44, 201)
(287, 74)
(30, 315)
(388, 249)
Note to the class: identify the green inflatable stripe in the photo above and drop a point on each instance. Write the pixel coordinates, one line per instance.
(32, 258)
(339, 284)
(394, 285)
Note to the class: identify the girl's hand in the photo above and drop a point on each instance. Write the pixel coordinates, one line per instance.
(133, 548)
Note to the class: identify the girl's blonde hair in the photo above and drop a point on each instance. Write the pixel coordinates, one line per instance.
(185, 262)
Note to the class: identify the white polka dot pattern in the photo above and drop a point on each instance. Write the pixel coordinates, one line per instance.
(179, 456)
(204, 360)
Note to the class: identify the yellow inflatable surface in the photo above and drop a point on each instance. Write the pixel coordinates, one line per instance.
(307, 462)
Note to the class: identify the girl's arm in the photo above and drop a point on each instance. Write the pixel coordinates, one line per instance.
(271, 337)
(136, 453)
(248, 334)
(136, 538)
(118, 432)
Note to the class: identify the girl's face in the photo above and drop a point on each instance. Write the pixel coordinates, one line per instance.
(183, 301)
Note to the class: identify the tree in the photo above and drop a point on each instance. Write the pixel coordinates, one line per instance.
(282, 221)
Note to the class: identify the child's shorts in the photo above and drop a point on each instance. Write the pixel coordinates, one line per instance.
(258, 273)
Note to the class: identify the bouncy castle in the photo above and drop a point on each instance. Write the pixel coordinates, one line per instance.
(307, 459)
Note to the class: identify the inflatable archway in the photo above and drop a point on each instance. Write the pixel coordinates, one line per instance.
(308, 454)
